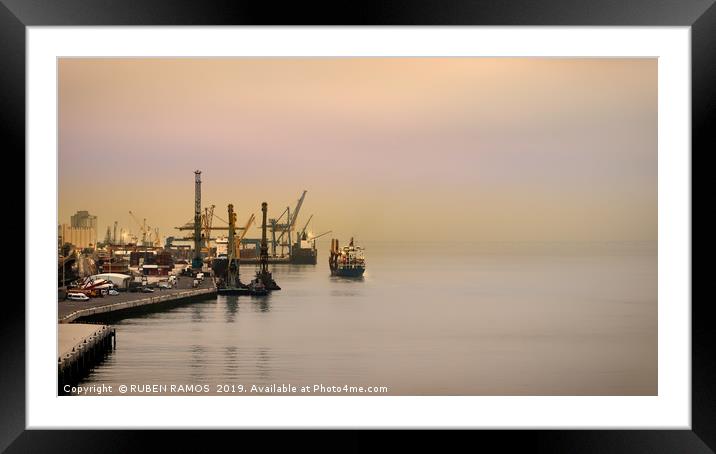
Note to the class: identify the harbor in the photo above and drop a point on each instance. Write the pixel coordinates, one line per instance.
(129, 274)
(411, 226)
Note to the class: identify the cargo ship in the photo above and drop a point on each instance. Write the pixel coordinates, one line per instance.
(347, 261)
(304, 251)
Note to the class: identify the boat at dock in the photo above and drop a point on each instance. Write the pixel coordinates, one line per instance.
(347, 261)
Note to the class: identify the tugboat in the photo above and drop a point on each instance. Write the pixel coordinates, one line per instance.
(347, 261)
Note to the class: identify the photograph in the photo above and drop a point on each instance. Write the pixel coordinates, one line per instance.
(357, 226)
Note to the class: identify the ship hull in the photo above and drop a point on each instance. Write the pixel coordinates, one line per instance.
(348, 272)
(304, 256)
(233, 291)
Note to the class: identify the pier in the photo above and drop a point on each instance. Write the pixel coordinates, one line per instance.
(79, 348)
(69, 310)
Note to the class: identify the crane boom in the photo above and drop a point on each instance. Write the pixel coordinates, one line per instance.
(246, 227)
(303, 230)
(142, 228)
(318, 236)
(297, 210)
(207, 220)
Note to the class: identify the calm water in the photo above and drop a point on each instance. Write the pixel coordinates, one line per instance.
(429, 319)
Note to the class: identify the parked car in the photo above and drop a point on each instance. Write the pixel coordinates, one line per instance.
(147, 290)
(200, 276)
(195, 283)
(113, 292)
(164, 284)
(77, 296)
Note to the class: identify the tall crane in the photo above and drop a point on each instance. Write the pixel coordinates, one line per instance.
(245, 229)
(207, 221)
(290, 223)
(196, 261)
(233, 265)
(297, 209)
(302, 235)
(263, 275)
(142, 228)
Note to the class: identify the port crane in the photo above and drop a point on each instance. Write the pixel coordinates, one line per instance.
(243, 231)
(233, 264)
(314, 238)
(285, 228)
(143, 228)
(302, 235)
(157, 241)
(206, 222)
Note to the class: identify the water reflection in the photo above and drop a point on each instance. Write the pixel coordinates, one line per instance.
(230, 360)
(263, 364)
(342, 286)
(343, 279)
(197, 364)
(232, 307)
(196, 313)
(262, 302)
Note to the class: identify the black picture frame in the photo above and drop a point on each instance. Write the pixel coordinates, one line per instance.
(16, 15)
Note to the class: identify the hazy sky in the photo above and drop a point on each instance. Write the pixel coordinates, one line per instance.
(485, 149)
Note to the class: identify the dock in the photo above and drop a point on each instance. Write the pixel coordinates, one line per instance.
(69, 310)
(79, 348)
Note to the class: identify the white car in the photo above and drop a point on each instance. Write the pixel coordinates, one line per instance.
(77, 296)
(113, 292)
(164, 284)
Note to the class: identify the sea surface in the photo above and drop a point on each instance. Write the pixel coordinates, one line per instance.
(426, 319)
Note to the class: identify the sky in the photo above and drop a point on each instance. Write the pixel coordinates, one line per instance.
(389, 149)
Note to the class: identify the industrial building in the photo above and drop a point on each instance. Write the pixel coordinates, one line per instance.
(81, 233)
(82, 219)
(80, 237)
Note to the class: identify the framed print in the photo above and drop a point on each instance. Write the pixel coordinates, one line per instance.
(468, 219)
